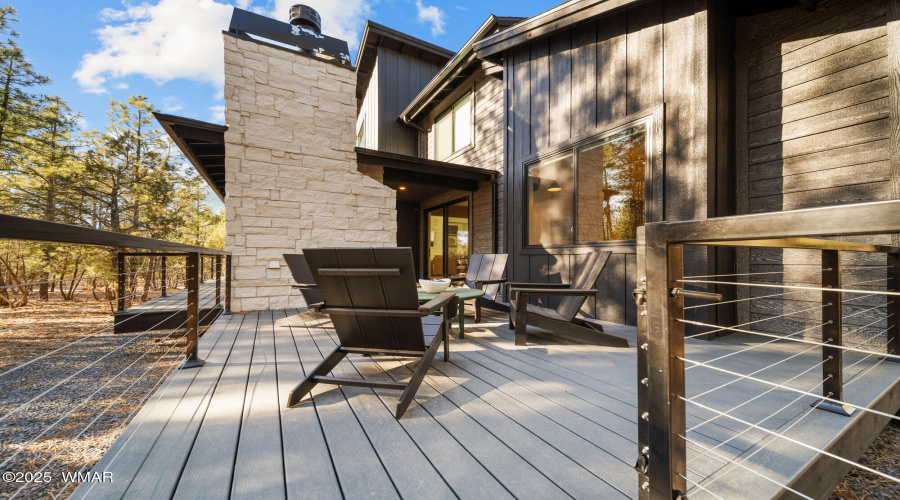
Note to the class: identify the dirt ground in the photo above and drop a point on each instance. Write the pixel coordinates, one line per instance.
(60, 413)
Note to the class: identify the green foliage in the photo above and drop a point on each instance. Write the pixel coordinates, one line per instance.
(126, 178)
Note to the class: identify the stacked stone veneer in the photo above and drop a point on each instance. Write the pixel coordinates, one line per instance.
(292, 180)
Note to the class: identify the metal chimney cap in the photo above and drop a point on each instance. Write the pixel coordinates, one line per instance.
(306, 16)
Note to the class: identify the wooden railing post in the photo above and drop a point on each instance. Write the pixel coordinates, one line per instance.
(893, 306)
(164, 276)
(218, 279)
(664, 417)
(201, 268)
(832, 334)
(227, 284)
(120, 281)
(193, 310)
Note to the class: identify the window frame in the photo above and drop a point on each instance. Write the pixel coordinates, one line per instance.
(361, 133)
(449, 111)
(653, 121)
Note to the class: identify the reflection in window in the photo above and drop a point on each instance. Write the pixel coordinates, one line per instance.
(609, 202)
(611, 186)
(550, 187)
(454, 128)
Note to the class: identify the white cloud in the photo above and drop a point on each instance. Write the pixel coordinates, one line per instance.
(342, 19)
(163, 41)
(120, 86)
(172, 104)
(217, 114)
(433, 15)
(460, 7)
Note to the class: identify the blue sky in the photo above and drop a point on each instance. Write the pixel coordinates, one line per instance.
(171, 50)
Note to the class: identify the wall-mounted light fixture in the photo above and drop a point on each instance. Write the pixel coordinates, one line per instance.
(554, 187)
(402, 188)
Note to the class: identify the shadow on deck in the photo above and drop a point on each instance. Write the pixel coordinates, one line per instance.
(549, 420)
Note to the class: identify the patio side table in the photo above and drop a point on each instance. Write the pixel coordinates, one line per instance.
(463, 294)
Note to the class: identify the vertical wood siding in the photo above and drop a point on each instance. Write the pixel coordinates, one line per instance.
(400, 79)
(578, 83)
(815, 126)
(486, 152)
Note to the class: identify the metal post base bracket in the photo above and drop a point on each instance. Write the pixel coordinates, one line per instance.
(823, 404)
(192, 363)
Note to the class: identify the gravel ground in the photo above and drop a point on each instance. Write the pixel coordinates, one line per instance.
(62, 412)
(883, 456)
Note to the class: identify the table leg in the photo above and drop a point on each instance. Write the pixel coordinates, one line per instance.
(462, 318)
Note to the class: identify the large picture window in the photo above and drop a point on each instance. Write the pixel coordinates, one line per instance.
(453, 129)
(591, 192)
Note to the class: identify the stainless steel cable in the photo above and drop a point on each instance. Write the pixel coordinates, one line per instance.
(785, 315)
(698, 486)
(27, 404)
(800, 443)
(802, 341)
(787, 388)
(728, 460)
(83, 401)
(741, 300)
(756, 346)
(94, 334)
(142, 271)
(793, 287)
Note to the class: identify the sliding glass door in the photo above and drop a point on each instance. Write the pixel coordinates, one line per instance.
(447, 230)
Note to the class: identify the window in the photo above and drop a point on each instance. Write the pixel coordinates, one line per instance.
(589, 193)
(361, 135)
(453, 129)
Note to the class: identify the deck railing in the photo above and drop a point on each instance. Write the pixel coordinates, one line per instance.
(663, 437)
(108, 363)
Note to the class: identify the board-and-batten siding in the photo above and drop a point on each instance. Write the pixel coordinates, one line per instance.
(581, 82)
(486, 152)
(400, 79)
(815, 131)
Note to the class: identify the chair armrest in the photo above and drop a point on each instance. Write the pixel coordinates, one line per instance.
(305, 286)
(569, 292)
(436, 303)
(479, 283)
(538, 285)
(458, 278)
(317, 307)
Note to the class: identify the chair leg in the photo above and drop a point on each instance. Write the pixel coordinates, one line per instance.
(445, 338)
(478, 310)
(327, 364)
(418, 375)
(521, 318)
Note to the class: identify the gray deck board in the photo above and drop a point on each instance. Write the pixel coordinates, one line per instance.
(303, 445)
(552, 419)
(259, 466)
(208, 469)
(177, 300)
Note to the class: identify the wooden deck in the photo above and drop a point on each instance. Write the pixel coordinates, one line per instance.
(550, 420)
(163, 313)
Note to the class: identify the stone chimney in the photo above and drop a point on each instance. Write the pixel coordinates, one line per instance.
(291, 175)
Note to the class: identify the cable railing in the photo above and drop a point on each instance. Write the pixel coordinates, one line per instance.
(805, 335)
(64, 386)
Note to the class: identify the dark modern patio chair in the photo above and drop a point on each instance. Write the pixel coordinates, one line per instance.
(303, 276)
(486, 273)
(370, 294)
(562, 321)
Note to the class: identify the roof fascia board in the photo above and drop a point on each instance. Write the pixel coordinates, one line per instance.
(169, 122)
(557, 18)
(452, 67)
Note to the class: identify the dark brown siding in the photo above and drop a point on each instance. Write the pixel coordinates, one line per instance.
(814, 124)
(588, 79)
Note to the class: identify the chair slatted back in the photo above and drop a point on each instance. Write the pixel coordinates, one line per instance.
(300, 271)
(487, 266)
(381, 291)
(585, 278)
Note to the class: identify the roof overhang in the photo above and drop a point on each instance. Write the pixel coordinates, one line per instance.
(557, 18)
(457, 69)
(376, 35)
(203, 144)
(410, 170)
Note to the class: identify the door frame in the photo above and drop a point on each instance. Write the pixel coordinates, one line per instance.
(444, 246)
